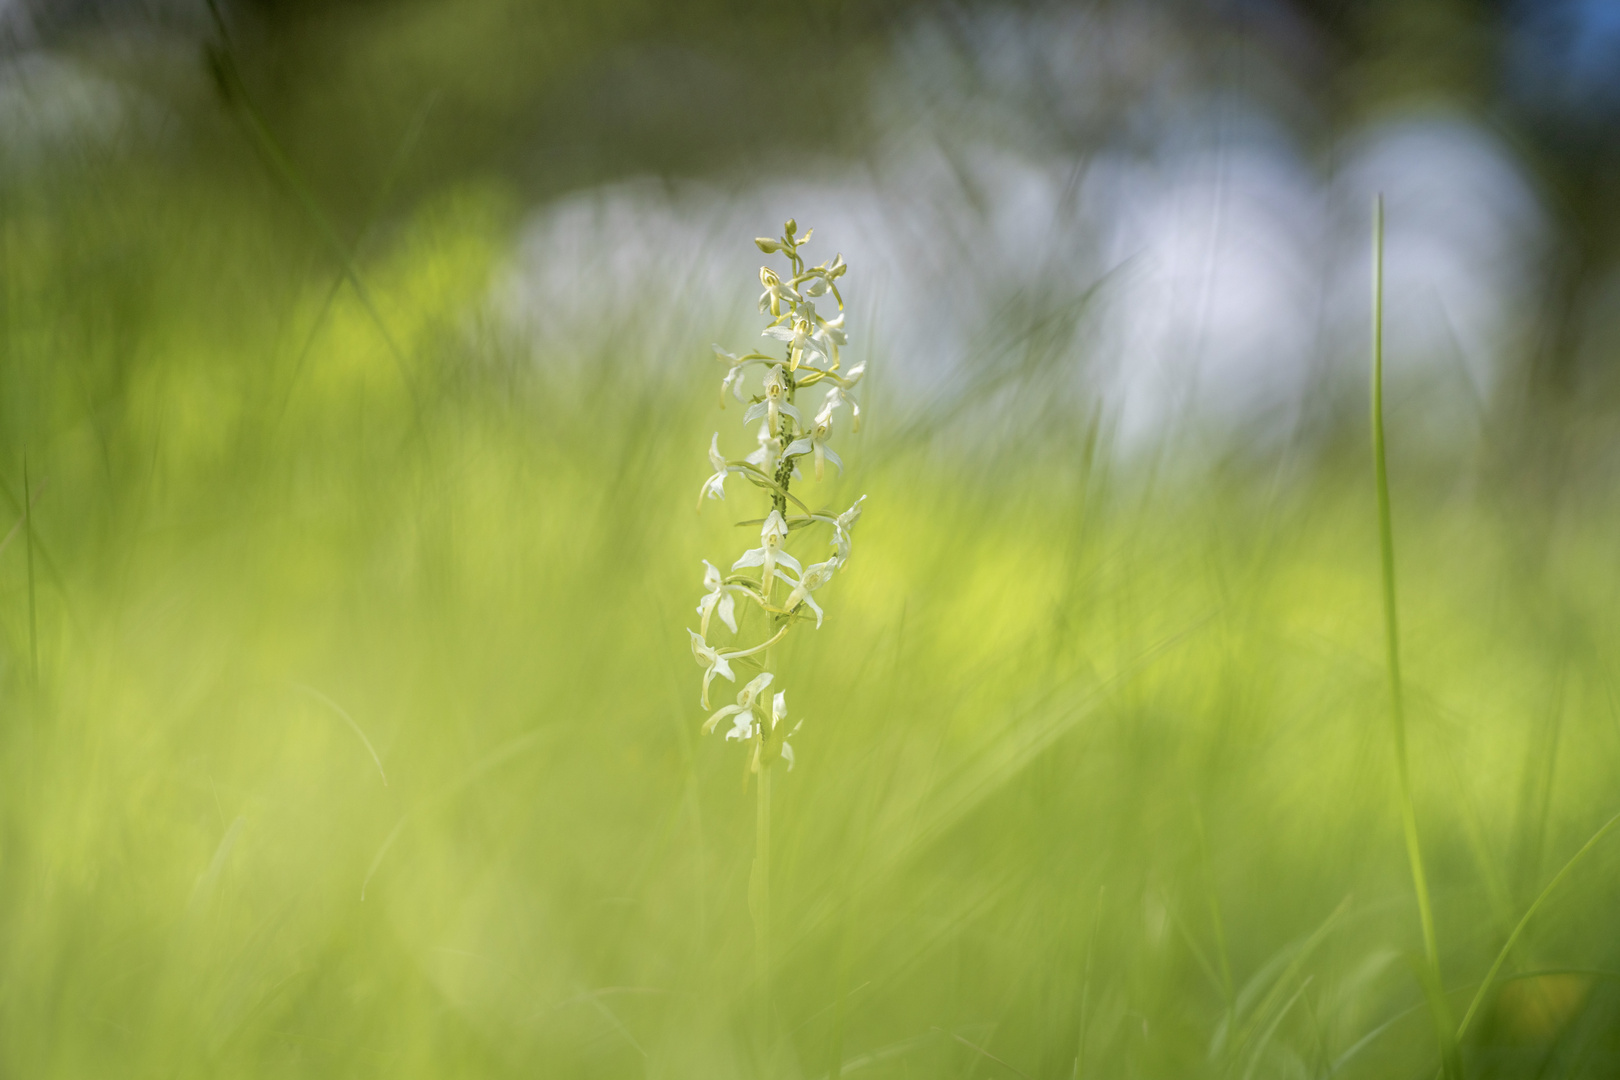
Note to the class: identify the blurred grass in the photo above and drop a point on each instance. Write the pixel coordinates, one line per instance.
(1081, 736)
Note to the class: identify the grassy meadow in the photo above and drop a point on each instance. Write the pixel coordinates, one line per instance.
(350, 727)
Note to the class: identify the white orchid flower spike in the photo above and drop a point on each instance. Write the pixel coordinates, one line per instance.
(803, 348)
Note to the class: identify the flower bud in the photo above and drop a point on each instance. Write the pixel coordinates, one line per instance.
(767, 245)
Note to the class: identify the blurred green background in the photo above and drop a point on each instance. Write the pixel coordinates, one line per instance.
(356, 369)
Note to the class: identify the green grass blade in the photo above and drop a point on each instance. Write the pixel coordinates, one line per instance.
(1392, 641)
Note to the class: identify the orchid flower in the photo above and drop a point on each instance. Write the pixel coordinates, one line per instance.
(798, 335)
(715, 486)
(837, 397)
(714, 663)
(769, 554)
(846, 521)
(814, 577)
(721, 598)
(734, 374)
(816, 443)
(776, 402)
(828, 336)
(842, 525)
(777, 292)
(743, 726)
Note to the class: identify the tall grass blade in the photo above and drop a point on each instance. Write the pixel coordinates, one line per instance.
(1386, 545)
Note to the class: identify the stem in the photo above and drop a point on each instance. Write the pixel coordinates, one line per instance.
(757, 648)
(759, 883)
(779, 490)
(1386, 543)
(759, 890)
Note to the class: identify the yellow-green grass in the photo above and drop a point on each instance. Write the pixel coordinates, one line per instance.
(365, 740)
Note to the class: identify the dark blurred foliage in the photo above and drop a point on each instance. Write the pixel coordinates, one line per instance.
(403, 96)
(552, 95)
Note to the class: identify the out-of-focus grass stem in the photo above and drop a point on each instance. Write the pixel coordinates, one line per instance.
(1217, 921)
(1085, 993)
(28, 545)
(835, 1069)
(1386, 543)
(395, 168)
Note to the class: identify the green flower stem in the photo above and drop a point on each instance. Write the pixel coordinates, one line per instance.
(759, 895)
(779, 491)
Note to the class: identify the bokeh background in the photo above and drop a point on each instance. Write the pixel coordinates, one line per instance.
(357, 373)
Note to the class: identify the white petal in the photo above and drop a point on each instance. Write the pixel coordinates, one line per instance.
(699, 646)
(708, 725)
(755, 686)
(784, 559)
